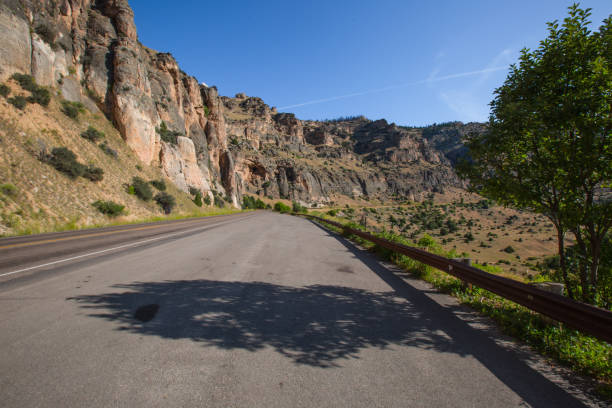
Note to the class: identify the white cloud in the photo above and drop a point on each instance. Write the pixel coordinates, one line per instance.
(467, 99)
(466, 106)
(430, 79)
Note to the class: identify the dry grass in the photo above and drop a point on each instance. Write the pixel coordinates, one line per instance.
(47, 200)
(532, 236)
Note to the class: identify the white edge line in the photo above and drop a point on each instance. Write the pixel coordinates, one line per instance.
(99, 252)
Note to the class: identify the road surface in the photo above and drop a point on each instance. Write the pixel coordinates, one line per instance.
(251, 310)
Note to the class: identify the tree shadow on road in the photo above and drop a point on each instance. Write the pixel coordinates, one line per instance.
(318, 325)
(315, 325)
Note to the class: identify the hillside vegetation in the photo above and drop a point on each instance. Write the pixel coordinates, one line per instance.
(36, 197)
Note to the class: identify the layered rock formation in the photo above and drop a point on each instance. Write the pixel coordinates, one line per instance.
(89, 50)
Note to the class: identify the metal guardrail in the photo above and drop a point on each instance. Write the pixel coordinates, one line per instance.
(581, 316)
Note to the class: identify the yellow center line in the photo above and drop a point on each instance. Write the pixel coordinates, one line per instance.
(99, 234)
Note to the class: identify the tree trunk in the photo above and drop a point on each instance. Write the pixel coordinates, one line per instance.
(583, 267)
(594, 267)
(562, 260)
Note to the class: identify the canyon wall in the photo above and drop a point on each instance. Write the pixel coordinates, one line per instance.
(89, 51)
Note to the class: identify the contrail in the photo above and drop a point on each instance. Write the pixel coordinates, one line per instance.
(388, 88)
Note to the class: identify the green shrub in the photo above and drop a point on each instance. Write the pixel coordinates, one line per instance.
(167, 135)
(72, 109)
(92, 134)
(109, 208)
(27, 82)
(248, 202)
(165, 201)
(142, 189)
(427, 241)
(108, 150)
(18, 101)
(197, 199)
(64, 160)
(508, 249)
(8, 189)
(41, 96)
(299, 208)
(282, 208)
(332, 213)
(206, 199)
(93, 173)
(158, 184)
(4, 90)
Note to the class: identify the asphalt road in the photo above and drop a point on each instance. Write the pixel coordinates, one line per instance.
(252, 310)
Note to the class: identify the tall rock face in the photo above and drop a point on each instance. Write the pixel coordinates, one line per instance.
(89, 50)
(311, 161)
(447, 138)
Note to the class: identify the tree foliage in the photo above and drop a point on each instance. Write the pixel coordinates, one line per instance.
(549, 143)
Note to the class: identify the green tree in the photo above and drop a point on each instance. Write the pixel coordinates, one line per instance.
(549, 143)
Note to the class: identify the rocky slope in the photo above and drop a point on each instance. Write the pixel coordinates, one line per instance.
(89, 51)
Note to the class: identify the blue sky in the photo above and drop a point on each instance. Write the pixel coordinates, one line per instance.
(410, 62)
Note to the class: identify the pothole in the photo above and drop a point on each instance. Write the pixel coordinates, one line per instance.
(146, 313)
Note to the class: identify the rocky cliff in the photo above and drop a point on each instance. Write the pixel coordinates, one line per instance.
(89, 51)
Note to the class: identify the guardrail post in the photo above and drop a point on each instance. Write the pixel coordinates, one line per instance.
(468, 262)
(364, 219)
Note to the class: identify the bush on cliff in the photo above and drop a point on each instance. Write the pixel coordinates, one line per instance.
(167, 135)
(158, 184)
(165, 201)
(72, 109)
(92, 134)
(64, 160)
(93, 173)
(206, 199)
(18, 101)
(141, 189)
(40, 95)
(4, 90)
(197, 196)
(109, 208)
(108, 150)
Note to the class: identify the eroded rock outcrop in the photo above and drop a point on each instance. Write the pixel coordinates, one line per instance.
(90, 51)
